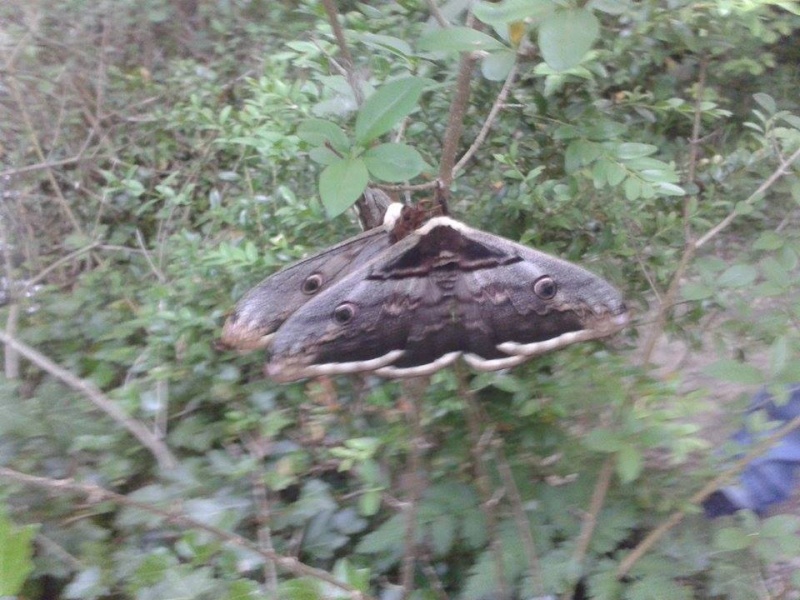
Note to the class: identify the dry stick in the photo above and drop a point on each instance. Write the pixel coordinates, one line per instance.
(95, 494)
(777, 174)
(499, 103)
(162, 454)
(26, 118)
(349, 66)
(413, 389)
(523, 524)
(263, 518)
(694, 145)
(708, 489)
(437, 14)
(479, 442)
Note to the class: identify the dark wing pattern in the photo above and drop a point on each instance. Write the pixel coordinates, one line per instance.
(443, 291)
(264, 308)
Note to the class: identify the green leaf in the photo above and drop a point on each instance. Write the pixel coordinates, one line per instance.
(319, 131)
(738, 276)
(779, 355)
(769, 240)
(387, 106)
(731, 370)
(341, 183)
(766, 102)
(566, 36)
(458, 39)
(633, 188)
(731, 539)
(629, 463)
(16, 550)
(394, 162)
(509, 11)
(696, 291)
(631, 150)
(497, 65)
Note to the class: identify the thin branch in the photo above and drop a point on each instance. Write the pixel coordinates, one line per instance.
(656, 534)
(347, 57)
(413, 390)
(263, 517)
(159, 450)
(479, 441)
(768, 183)
(523, 523)
(54, 265)
(590, 517)
(437, 14)
(417, 187)
(694, 145)
(499, 103)
(96, 494)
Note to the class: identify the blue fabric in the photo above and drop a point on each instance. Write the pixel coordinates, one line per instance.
(772, 477)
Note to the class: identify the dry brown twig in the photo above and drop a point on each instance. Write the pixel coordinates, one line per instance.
(157, 447)
(95, 494)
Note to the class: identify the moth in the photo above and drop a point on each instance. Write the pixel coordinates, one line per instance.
(446, 290)
(257, 316)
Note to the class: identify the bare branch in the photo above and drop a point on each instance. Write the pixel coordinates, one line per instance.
(159, 450)
(96, 494)
(347, 57)
(656, 534)
(499, 103)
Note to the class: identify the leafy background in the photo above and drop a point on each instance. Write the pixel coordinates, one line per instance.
(161, 157)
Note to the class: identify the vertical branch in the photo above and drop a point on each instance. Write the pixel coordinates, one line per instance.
(694, 147)
(479, 441)
(455, 124)
(523, 524)
(263, 517)
(413, 390)
(347, 57)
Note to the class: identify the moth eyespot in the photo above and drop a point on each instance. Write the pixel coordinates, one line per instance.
(545, 288)
(312, 284)
(344, 313)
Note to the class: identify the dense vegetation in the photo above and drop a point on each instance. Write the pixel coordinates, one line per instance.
(157, 162)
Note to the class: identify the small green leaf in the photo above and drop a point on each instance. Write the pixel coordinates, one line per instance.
(323, 155)
(566, 36)
(341, 183)
(497, 65)
(458, 39)
(629, 463)
(387, 106)
(319, 131)
(731, 539)
(633, 188)
(696, 291)
(735, 372)
(509, 11)
(738, 276)
(769, 240)
(16, 550)
(631, 150)
(779, 355)
(394, 162)
(766, 102)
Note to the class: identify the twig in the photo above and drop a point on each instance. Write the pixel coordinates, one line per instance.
(455, 124)
(694, 145)
(499, 103)
(437, 14)
(708, 489)
(523, 523)
(768, 183)
(54, 265)
(590, 517)
(263, 518)
(96, 494)
(413, 390)
(347, 57)
(478, 443)
(159, 450)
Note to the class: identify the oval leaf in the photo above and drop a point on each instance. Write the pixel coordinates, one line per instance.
(384, 109)
(732, 370)
(319, 131)
(566, 36)
(497, 65)
(458, 39)
(341, 184)
(393, 162)
(504, 13)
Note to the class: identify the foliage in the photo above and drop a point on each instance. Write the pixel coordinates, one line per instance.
(163, 157)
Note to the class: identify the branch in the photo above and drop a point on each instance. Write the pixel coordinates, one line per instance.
(162, 454)
(708, 489)
(95, 495)
(349, 66)
(455, 125)
(499, 103)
